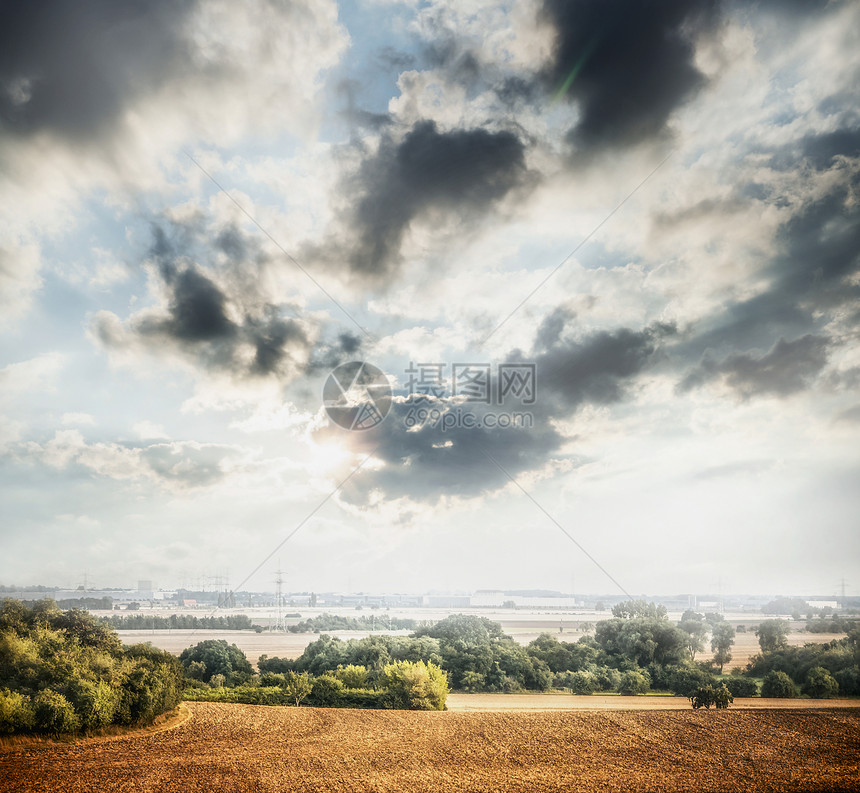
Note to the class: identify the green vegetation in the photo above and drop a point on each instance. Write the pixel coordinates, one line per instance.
(772, 635)
(141, 622)
(706, 696)
(401, 685)
(778, 684)
(64, 671)
(215, 662)
(635, 651)
(332, 622)
(722, 639)
(832, 625)
(821, 670)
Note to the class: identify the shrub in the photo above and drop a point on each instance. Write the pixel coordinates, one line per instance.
(326, 691)
(415, 686)
(634, 682)
(217, 658)
(298, 685)
(16, 711)
(582, 682)
(778, 684)
(707, 695)
(849, 681)
(820, 684)
(54, 713)
(741, 687)
(95, 703)
(352, 676)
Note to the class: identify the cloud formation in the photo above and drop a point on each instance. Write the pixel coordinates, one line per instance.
(789, 367)
(627, 66)
(215, 312)
(462, 171)
(425, 460)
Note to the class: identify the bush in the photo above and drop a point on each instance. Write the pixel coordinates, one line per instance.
(326, 692)
(415, 686)
(54, 713)
(820, 684)
(66, 671)
(16, 712)
(849, 682)
(95, 703)
(352, 676)
(634, 682)
(741, 687)
(298, 685)
(779, 685)
(582, 682)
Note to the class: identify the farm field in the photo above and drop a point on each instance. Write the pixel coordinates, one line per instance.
(554, 701)
(239, 748)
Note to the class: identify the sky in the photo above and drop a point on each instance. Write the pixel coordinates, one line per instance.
(605, 258)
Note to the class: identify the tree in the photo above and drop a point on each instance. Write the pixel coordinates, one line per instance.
(641, 609)
(297, 686)
(778, 684)
(771, 635)
(820, 684)
(634, 682)
(696, 630)
(706, 696)
(415, 686)
(217, 658)
(722, 639)
(741, 687)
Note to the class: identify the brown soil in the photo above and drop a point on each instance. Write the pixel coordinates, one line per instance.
(262, 749)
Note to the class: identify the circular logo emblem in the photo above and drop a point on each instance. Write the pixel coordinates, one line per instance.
(357, 396)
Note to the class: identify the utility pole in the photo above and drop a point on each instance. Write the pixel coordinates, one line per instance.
(279, 582)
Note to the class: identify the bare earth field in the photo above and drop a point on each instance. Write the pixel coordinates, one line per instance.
(245, 748)
(554, 701)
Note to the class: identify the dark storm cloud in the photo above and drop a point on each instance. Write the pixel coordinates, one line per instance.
(626, 65)
(221, 324)
(71, 68)
(426, 459)
(465, 170)
(789, 367)
(812, 276)
(598, 369)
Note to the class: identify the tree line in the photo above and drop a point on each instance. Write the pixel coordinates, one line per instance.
(64, 671)
(140, 622)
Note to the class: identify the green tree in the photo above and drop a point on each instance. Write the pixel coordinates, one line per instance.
(741, 687)
(298, 685)
(634, 682)
(771, 635)
(820, 684)
(415, 686)
(638, 609)
(778, 684)
(722, 639)
(696, 630)
(352, 676)
(217, 658)
(707, 695)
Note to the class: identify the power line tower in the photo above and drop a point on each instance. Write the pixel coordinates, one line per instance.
(279, 583)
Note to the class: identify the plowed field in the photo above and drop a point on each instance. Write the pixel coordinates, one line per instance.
(260, 749)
